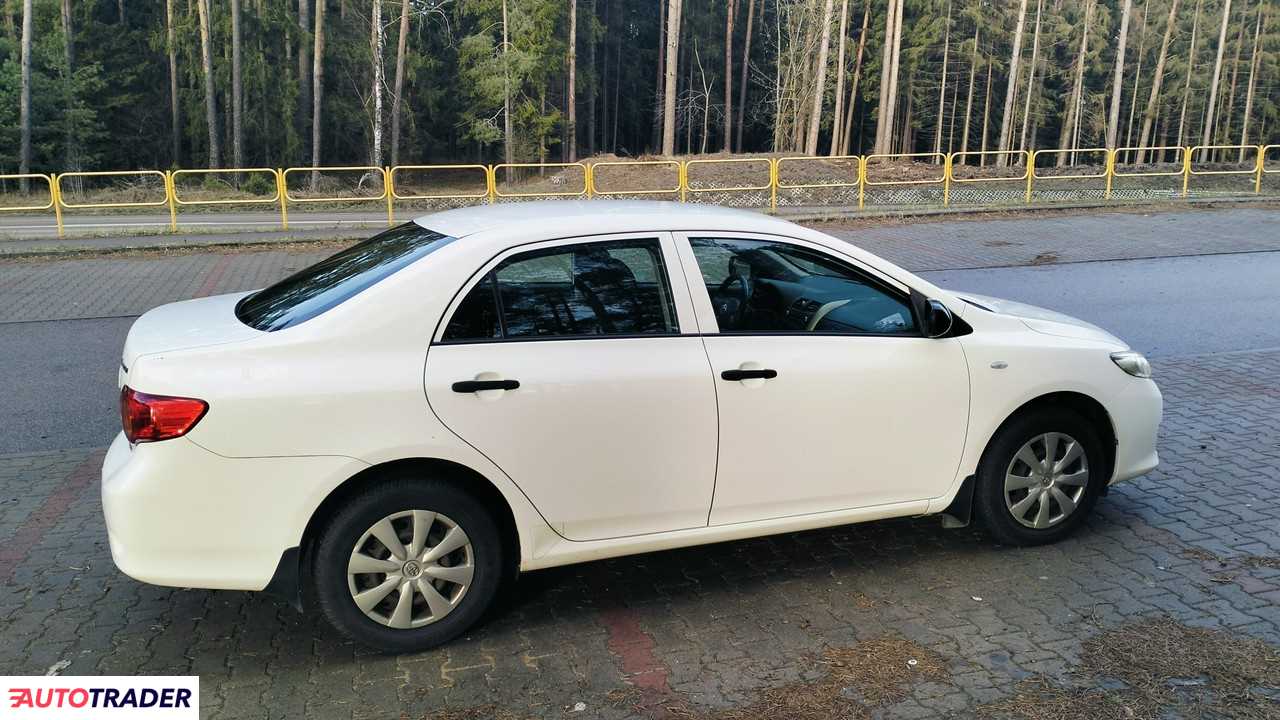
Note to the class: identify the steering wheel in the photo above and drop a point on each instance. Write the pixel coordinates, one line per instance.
(732, 302)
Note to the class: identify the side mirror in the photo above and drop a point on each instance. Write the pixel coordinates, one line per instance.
(938, 320)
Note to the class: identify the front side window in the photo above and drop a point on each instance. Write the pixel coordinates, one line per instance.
(758, 286)
(585, 290)
(330, 282)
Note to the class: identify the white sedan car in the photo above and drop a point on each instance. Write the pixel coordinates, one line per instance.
(391, 434)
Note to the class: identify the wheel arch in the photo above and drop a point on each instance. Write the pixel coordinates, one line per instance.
(465, 478)
(1084, 405)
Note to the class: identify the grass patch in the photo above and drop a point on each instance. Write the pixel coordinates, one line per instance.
(1154, 669)
(859, 680)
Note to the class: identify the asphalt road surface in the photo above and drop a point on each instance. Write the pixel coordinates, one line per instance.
(59, 372)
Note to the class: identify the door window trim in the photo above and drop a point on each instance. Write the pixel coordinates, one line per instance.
(702, 298)
(681, 302)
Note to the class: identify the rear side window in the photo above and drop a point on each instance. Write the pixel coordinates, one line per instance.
(337, 278)
(586, 290)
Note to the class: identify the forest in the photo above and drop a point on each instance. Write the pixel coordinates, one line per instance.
(123, 84)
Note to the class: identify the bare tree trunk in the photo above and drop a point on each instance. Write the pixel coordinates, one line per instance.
(210, 102)
(1117, 80)
(571, 96)
(1071, 122)
(942, 86)
(617, 93)
(317, 92)
(593, 88)
(986, 115)
(815, 120)
(669, 92)
(171, 48)
(1031, 78)
(1252, 82)
(1006, 121)
(379, 79)
(746, 63)
(1137, 76)
(1157, 78)
(837, 119)
(237, 90)
(731, 10)
(1224, 125)
(660, 82)
(69, 55)
(1207, 136)
(508, 144)
(857, 80)
(968, 103)
(603, 95)
(398, 97)
(24, 102)
(884, 114)
(1186, 89)
(304, 63)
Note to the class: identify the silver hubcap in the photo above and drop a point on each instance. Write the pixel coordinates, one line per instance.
(410, 569)
(1046, 480)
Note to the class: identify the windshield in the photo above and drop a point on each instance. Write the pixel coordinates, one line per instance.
(330, 282)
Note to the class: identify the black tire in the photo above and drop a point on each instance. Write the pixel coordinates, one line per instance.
(337, 539)
(996, 514)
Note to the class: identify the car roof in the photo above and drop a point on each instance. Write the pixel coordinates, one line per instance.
(519, 222)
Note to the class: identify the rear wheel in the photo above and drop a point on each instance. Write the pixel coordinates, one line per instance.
(407, 564)
(1039, 477)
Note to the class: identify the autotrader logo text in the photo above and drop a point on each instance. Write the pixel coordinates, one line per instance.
(115, 697)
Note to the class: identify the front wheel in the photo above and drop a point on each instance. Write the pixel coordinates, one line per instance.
(1039, 477)
(407, 565)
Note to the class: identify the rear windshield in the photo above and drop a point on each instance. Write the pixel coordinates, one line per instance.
(330, 282)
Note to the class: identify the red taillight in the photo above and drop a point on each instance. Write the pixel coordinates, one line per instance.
(147, 418)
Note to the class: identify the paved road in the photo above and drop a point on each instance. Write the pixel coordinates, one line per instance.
(1164, 307)
(692, 632)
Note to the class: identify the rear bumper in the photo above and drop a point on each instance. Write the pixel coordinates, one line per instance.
(179, 515)
(1135, 414)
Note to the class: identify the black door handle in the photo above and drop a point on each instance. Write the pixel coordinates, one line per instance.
(749, 374)
(470, 386)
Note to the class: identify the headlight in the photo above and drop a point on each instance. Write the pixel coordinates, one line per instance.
(1133, 363)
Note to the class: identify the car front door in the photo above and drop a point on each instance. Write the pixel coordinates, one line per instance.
(565, 364)
(829, 396)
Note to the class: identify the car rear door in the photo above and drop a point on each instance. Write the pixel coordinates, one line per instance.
(575, 366)
(829, 398)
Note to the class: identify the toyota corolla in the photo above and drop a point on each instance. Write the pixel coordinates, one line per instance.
(393, 433)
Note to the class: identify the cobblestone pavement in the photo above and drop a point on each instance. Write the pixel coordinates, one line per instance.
(680, 633)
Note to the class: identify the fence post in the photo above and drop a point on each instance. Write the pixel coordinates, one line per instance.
(773, 186)
(1257, 183)
(1186, 169)
(491, 181)
(682, 179)
(1031, 174)
(946, 181)
(590, 173)
(862, 179)
(282, 191)
(386, 189)
(1111, 170)
(169, 194)
(56, 196)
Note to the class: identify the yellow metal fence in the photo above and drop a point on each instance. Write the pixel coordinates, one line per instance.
(879, 180)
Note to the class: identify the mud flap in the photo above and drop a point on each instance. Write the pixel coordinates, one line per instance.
(960, 512)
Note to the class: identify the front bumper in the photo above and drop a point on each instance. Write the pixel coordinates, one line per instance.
(179, 515)
(1135, 415)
